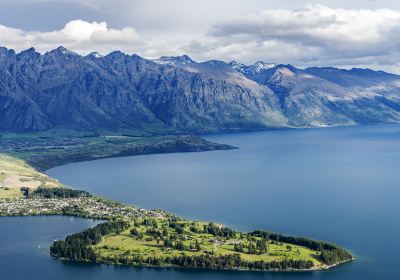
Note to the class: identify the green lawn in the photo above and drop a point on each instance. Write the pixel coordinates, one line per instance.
(124, 244)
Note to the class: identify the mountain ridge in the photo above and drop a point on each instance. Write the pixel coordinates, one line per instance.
(117, 90)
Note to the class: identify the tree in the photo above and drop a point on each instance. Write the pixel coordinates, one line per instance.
(262, 246)
(179, 229)
(251, 248)
(134, 232)
(168, 243)
(198, 247)
(238, 247)
(180, 246)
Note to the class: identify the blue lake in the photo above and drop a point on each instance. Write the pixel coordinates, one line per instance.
(336, 184)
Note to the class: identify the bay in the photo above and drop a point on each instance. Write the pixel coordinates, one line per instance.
(335, 184)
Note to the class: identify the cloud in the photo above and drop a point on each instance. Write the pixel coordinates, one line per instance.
(78, 35)
(314, 35)
(329, 33)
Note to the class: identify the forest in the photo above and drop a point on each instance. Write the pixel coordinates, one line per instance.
(54, 193)
(77, 246)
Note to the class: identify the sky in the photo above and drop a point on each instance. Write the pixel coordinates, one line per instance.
(338, 33)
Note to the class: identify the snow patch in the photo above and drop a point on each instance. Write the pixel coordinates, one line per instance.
(174, 60)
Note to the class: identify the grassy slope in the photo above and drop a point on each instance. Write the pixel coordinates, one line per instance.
(115, 246)
(16, 173)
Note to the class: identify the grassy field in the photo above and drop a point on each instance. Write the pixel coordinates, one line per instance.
(16, 173)
(125, 244)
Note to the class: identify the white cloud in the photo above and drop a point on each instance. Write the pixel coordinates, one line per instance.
(315, 35)
(330, 34)
(78, 35)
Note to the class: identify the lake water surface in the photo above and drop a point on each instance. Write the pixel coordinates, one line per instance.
(338, 184)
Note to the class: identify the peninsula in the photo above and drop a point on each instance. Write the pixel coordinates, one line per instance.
(153, 238)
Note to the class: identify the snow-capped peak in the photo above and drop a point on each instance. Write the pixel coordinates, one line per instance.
(236, 65)
(174, 60)
(261, 65)
(64, 51)
(252, 69)
(242, 68)
(95, 55)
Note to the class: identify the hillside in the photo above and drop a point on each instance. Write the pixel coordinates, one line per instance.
(61, 88)
(177, 94)
(16, 173)
(330, 96)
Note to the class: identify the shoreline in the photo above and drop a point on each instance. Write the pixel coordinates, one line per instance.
(319, 268)
(50, 153)
(89, 216)
(121, 214)
(196, 142)
(313, 269)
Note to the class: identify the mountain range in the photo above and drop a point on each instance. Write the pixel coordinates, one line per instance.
(118, 91)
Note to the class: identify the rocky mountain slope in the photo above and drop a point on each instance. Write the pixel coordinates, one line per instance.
(117, 91)
(330, 96)
(38, 92)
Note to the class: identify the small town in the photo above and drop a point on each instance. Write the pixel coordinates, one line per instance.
(89, 207)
